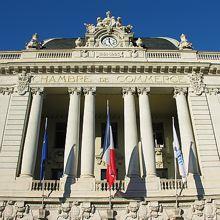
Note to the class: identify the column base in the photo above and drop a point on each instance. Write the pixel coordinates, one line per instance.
(84, 183)
(135, 186)
(66, 182)
(152, 183)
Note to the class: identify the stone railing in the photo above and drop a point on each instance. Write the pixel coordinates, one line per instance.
(102, 185)
(49, 185)
(208, 56)
(10, 55)
(54, 55)
(169, 184)
(163, 55)
(80, 54)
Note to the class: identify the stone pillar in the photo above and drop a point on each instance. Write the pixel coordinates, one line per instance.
(88, 134)
(186, 131)
(146, 133)
(72, 134)
(32, 134)
(130, 132)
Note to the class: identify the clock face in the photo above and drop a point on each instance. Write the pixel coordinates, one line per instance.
(109, 41)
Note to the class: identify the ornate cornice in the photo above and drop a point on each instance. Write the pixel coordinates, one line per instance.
(196, 83)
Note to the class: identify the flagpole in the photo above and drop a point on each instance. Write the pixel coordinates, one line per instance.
(43, 180)
(110, 202)
(175, 167)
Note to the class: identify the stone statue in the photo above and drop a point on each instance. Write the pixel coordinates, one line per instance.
(184, 44)
(78, 42)
(90, 28)
(34, 43)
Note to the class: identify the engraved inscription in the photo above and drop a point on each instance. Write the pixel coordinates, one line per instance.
(109, 79)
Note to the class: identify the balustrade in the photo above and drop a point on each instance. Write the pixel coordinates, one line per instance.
(49, 185)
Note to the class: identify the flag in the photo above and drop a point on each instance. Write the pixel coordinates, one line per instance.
(178, 154)
(44, 153)
(109, 152)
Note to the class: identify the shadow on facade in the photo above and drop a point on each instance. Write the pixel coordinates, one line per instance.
(136, 186)
(68, 178)
(193, 168)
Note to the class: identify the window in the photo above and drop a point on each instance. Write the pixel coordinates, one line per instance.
(158, 132)
(57, 174)
(103, 174)
(60, 135)
(162, 173)
(114, 132)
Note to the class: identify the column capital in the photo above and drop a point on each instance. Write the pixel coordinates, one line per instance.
(129, 90)
(75, 90)
(179, 91)
(89, 90)
(143, 90)
(37, 90)
(212, 91)
(6, 90)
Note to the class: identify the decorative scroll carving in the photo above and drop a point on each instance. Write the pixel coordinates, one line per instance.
(154, 210)
(37, 90)
(132, 210)
(129, 90)
(2, 208)
(34, 43)
(75, 211)
(198, 209)
(64, 211)
(75, 90)
(89, 90)
(9, 211)
(23, 83)
(6, 90)
(184, 43)
(196, 83)
(179, 91)
(88, 210)
(143, 90)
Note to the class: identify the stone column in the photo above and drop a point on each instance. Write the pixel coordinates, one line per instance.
(146, 132)
(186, 131)
(88, 134)
(72, 134)
(130, 132)
(32, 134)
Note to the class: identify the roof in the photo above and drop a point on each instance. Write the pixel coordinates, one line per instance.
(148, 43)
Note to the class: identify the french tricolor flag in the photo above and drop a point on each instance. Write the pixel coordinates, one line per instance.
(109, 152)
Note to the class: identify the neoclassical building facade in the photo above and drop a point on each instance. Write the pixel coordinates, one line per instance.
(147, 82)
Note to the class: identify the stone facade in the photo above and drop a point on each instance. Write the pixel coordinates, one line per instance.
(145, 88)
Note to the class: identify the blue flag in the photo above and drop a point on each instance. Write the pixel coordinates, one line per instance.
(44, 153)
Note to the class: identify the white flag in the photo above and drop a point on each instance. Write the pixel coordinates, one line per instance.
(178, 154)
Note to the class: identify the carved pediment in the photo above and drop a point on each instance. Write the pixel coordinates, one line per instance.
(108, 33)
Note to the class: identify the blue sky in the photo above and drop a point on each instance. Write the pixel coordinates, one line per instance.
(198, 19)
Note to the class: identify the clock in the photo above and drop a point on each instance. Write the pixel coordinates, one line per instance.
(109, 41)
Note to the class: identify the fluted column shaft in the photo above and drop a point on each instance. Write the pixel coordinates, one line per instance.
(72, 134)
(146, 132)
(130, 132)
(186, 131)
(88, 134)
(32, 134)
